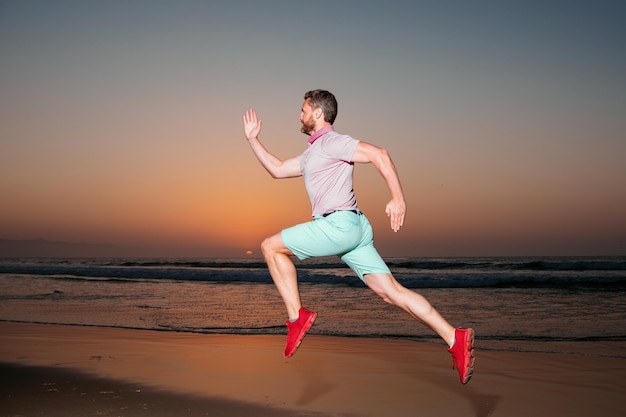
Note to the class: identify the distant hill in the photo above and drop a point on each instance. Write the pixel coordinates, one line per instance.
(41, 248)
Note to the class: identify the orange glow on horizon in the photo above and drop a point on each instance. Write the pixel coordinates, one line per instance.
(102, 144)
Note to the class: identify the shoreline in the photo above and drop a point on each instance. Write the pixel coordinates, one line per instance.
(328, 375)
(609, 347)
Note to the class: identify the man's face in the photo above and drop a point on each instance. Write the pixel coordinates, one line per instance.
(306, 118)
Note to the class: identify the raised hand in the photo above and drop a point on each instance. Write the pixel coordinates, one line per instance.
(251, 125)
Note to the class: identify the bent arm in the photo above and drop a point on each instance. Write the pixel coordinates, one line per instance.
(276, 167)
(379, 157)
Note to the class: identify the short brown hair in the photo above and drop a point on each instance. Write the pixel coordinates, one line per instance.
(324, 100)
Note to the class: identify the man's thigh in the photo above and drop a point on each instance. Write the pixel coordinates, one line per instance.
(321, 237)
(366, 260)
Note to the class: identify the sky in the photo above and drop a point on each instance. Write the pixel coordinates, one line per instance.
(120, 121)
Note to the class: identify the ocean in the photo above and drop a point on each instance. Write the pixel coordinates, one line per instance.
(543, 304)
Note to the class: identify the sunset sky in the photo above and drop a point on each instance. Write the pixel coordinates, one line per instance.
(120, 121)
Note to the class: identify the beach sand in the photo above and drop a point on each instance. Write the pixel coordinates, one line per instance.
(52, 370)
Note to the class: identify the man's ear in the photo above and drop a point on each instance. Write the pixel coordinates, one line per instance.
(318, 113)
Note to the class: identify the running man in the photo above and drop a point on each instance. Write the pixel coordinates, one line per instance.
(339, 227)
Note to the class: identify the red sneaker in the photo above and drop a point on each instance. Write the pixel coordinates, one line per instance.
(463, 353)
(297, 330)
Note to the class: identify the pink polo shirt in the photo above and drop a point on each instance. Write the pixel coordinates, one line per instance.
(327, 169)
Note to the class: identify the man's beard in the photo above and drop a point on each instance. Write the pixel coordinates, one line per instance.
(308, 127)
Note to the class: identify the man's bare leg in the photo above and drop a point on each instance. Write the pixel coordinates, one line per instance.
(283, 272)
(394, 293)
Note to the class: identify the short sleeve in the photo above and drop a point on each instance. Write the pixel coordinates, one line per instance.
(340, 147)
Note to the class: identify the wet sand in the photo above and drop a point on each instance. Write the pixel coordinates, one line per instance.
(52, 370)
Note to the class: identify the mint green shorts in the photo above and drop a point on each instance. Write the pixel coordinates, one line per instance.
(343, 233)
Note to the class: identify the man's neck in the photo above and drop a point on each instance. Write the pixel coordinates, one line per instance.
(320, 132)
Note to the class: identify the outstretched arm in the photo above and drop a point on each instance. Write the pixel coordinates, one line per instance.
(276, 167)
(396, 208)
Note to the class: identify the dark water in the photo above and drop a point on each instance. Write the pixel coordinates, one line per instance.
(573, 305)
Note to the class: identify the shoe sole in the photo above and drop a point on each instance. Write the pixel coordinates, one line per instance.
(303, 333)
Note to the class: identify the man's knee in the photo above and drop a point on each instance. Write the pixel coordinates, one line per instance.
(274, 244)
(383, 286)
(266, 246)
